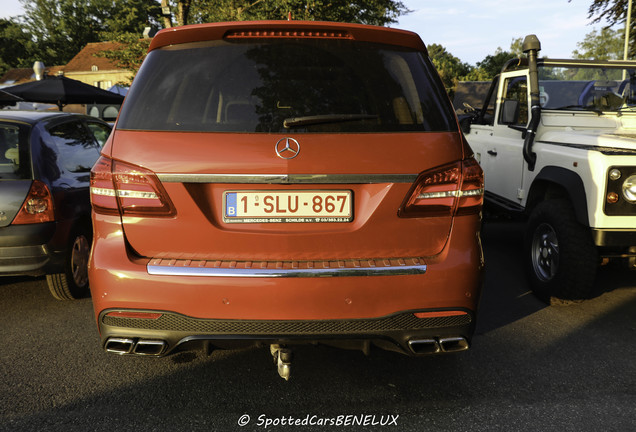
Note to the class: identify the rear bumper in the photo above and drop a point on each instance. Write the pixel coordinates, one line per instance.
(33, 249)
(271, 309)
(434, 332)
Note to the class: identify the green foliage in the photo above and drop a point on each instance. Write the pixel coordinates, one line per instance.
(449, 67)
(491, 65)
(130, 54)
(61, 28)
(516, 47)
(612, 11)
(615, 12)
(16, 46)
(54, 31)
(608, 44)
(376, 12)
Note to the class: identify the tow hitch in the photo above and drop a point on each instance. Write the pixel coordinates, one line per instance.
(282, 359)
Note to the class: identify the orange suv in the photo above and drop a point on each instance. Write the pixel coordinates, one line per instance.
(277, 183)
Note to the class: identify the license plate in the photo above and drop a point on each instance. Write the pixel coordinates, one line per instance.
(287, 206)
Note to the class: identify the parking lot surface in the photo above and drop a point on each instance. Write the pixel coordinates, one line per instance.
(531, 368)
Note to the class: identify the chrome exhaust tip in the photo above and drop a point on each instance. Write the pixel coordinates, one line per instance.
(453, 344)
(149, 347)
(119, 345)
(424, 346)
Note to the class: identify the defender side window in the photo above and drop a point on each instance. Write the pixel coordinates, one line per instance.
(514, 108)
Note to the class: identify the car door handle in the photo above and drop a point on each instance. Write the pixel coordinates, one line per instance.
(492, 152)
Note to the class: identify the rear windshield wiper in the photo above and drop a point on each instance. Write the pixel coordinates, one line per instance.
(327, 118)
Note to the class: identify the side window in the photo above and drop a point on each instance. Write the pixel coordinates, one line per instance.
(14, 151)
(514, 105)
(77, 150)
(486, 114)
(100, 132)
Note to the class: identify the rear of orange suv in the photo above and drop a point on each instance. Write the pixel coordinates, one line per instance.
(279, 183)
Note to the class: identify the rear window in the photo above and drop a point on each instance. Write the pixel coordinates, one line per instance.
(76, 147)
(286, 85)
(14, 151)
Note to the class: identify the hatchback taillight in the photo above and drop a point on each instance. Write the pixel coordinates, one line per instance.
(454, 189)
(126, 189)
(37, 207)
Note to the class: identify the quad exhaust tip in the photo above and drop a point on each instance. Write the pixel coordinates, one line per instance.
(143, 347)
(438, 345)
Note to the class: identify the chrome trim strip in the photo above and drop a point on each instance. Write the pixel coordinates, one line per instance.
(285, 273)
(288, 178)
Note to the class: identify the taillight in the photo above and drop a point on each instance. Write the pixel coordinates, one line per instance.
(129, 190)
(454, 189)
(37, 207)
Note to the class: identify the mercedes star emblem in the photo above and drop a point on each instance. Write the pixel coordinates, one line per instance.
(287, 148)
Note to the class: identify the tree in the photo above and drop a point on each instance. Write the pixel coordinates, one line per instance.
(61, 28)
(614, 12)
(606, 44)
(130, 53)
(16, 46)
(516, 47)
(450, 68)
(377, 12)
(491, 65)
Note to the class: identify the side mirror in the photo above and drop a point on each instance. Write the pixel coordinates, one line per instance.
(510, 112)
(464, 122)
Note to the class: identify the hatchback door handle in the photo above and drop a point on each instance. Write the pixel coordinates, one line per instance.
(492, 152)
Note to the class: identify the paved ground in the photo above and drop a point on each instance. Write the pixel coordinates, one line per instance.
(531, 368)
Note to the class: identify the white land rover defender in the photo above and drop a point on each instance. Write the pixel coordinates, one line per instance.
(557, 141)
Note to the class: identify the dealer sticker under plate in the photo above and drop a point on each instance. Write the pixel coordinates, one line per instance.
(287, 206)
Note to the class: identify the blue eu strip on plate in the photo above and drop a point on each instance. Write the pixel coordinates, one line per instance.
(230, 205)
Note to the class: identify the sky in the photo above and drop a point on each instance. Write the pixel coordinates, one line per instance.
(473, 29)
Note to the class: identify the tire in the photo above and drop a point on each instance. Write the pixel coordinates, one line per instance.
(73, 283)
(561, 259)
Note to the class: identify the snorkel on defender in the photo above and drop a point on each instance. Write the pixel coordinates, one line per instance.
(531, 46)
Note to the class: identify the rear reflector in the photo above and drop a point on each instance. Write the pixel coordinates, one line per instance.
(135, 315)
(454, 189)
(37, 207)
(129, 190)
(439, 314)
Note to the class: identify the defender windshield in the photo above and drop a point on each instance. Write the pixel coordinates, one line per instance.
(286, 85)
(14, 151)
(592, 88)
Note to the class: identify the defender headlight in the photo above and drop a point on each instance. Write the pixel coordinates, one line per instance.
(629, 189)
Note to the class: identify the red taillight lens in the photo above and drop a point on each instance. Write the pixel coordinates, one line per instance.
(37, 207)
(452, 189)
(471, 196)
(103, 197)
(118, 187)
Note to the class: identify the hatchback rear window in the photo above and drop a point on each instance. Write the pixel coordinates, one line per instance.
(14, 151)
(76, 147)
(287, 85)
